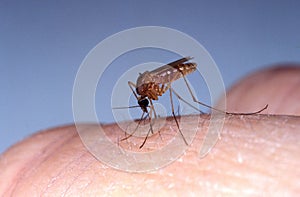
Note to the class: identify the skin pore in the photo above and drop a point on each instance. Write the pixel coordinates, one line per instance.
(257, 155)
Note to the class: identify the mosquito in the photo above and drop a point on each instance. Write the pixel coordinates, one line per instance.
(150, 85)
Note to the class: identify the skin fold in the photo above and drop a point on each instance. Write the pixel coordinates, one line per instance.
(257, 155)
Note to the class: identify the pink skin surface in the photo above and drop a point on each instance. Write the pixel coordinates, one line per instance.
(257, 155)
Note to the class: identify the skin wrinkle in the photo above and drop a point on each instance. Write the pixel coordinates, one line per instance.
(20, 175)
(78, 175)
(88, 160)
(239, 96)
(289, 92)
(270, 87)
(28, 168)
(91, 161)
(63, 171)
(281, 100)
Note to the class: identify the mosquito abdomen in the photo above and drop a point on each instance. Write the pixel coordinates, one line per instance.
(171, 74)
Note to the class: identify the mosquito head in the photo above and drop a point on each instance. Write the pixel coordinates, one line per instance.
(143, 103)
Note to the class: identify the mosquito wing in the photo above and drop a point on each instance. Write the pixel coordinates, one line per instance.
(173, 71)
(170, 65)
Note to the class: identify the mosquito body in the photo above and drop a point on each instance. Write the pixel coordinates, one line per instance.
(151, 85)
(155, 83)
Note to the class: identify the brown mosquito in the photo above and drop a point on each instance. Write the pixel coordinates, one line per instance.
(151, 85)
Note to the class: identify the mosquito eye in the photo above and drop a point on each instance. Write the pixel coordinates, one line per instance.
(143, 102)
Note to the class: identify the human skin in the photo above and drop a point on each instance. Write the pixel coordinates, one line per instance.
(257, 155)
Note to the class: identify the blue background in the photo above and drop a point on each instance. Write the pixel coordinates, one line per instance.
(42, 45)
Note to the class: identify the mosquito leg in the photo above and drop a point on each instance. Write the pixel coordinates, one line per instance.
(173, 113)
(155, 117)
(152, 107)
(186, 102)
(144, 142)
(131, 134)
(132, 86)
(151, 128)
(195, 100)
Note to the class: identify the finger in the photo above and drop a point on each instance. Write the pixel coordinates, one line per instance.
(279, 87)
(257, 155)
